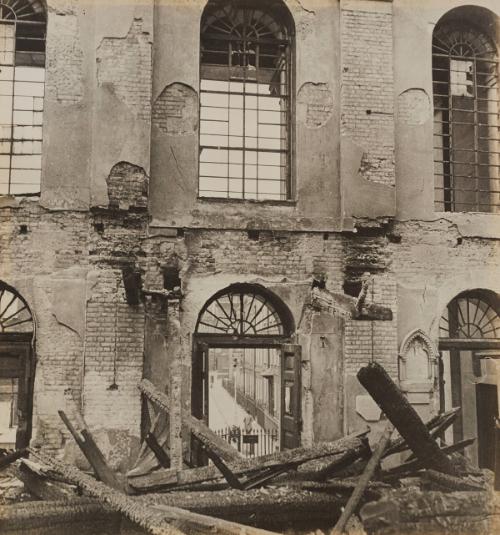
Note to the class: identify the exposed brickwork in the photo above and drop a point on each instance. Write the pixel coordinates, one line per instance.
(367, 90)
(125, 64)
(175, 111)
(314, 104)
(114, 345)
(128, 186)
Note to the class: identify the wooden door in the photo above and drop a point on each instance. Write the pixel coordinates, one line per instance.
(16, 362)
(291, 414)
(487, 413)
(199, 397)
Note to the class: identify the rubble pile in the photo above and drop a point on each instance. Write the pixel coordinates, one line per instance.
(408, 483)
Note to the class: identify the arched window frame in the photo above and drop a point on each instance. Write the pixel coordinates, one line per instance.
(22, 79)
(246, 130)
(466, 96)
(245, 311)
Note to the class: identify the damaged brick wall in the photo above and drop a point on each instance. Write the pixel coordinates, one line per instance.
(128, 187)
(367, 90)
(175, 111)
(124, 65)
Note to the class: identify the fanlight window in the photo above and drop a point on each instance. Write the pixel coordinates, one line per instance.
(466, 137)
(470, 316)
(245, 101)
(15, 315)
(240, 313)
(22, 76)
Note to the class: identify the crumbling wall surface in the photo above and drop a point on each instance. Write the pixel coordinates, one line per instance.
(122, 112)
(414, 93)
(434, 262)
(367, 104)
(69, 266)
(98, 76)
(315, 200)
(44, 258)
(65, 173)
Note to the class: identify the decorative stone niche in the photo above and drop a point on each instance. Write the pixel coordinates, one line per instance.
(418, 372)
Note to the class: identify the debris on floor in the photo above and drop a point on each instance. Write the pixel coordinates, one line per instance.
(411, 483)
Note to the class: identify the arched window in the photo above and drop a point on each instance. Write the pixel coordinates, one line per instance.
(471, 315)
(22, 76)
(246, 100)
(466, 139)
(243, 310)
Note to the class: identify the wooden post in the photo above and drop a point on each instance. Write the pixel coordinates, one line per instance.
(363, 481)
(404, 417)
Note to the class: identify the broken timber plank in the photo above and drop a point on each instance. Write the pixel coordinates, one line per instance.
(39, 485)
(430, 512)
(164, 521)
(9, 458)
(403, 416)
(342, 462)
(169, 478)
(161, 455)
(199, 429)
(451, 482)
(417, 464)
(363, 481)
(93, 454)
(436, 425)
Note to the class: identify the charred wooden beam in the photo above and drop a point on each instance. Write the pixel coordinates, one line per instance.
(404, 417)
(160, 454)
(417, 464)
(198, 428)
(12, 456)
(451, 482)
(164, 520)
(427, 512)
(436, 425)
(93, 454)
(342, 462)
(363, 481)
(165, 479)
(39, 484)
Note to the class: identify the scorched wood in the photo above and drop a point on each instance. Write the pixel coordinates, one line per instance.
(404, 417)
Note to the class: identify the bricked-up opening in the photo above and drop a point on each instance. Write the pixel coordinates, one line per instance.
(22, 77)
(469, 343)
(245, 377)
(246, 100)
(466, 139)
(17, 367)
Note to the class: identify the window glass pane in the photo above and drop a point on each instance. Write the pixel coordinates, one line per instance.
(241, 77)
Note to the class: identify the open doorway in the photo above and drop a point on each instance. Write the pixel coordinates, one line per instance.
(470, 349)
(17, 369)
(245, 373)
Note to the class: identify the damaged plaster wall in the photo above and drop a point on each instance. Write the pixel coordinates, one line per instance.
(65, 173)
(174, 177)
(122, 112)
(412, 83)
(367, 122)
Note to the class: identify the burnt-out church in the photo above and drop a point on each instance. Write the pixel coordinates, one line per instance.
(244, 202)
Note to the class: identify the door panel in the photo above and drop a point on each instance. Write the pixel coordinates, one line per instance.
(487, 412)
(199, 398)
(16, 363)
(291, 417)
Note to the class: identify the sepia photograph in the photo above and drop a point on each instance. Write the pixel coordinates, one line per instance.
(249, 267)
